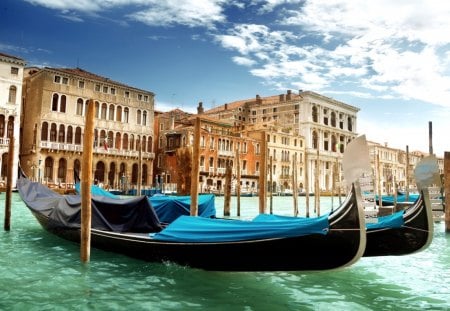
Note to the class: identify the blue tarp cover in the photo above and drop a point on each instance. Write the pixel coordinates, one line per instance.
(168, 208)
(390, 221)
(199, 229)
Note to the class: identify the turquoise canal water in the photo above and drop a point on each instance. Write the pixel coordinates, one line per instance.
(41, 272)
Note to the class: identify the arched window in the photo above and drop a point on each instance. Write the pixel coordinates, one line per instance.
(150, 144)
(315, 140)
(333, 143)
(144, 143)
(111, 112)
(144, 118)
(61, 133)
(55, 102)
(138, 120)
(333, 119)
(315, 115)
(97, 109)
(79, 107)
(62, 106)
(48, 169)
(104, 109)
(62, 169)
(10, 132)
(2, 125)
(53, 132)
(126, 114)
(110, 139)
(78, 136)
(131, 142)
(119, 114)
(69, 134)
(44, 131)
(12, 94)
(125, 141)
(118, 144)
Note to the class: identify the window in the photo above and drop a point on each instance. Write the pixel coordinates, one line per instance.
(97, 87)
(144, 118)
(81, 84)
(103, 112)
(44, 131)
(14, 70)
(53, 132)
(113, 91)
(57, 79)
(62, 107)
(127, 94)
(146, 98)
(55, 102)
(105, 89)
(78, 136)
(314, 114)
(119, 114)
(138, 120)
(69, 134)
(65, 80)
(12, 94)
(139, 96)
(111, 112)
(61, 133)
(126, 113)
(79, 106)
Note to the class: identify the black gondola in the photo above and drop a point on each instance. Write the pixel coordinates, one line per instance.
(132, 228)
(411, 230)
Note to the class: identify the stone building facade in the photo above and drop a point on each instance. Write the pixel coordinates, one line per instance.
(55, 102)
(11, 76)
(320, 123)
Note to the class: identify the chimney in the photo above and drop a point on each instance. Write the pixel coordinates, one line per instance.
(225, 107)
(288, 95)
(282, 98)
(172, 121)
(258, 100)
(200, 109)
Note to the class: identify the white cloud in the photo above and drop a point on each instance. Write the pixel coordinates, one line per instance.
(244, 61)
(191, 13)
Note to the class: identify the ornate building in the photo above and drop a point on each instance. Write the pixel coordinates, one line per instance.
(11, 76)
(54, 106)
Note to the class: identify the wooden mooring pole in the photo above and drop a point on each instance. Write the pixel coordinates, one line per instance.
(263, 175)
(227, 192)
(86, 180)
(195, 174)
(295, 184)
(430, 136)
(306, 185)
(447, 190)
(270, 185)
(238, 182)
(7, 224)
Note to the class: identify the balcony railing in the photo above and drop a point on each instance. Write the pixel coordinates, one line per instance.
(98, 150)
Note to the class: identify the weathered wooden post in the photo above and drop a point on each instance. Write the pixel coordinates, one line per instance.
(306, 184)
(7, 224)
(380, 200)
(407, 174)
(139, 182)
(294, 184)
(86, 180)
(263, 175)
(238, 182)
(316, 185)
(447, 190)
(271, 185)
(430, 137)
(195, 168)
(227, 192)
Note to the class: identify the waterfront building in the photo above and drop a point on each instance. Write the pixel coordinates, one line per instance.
(325, 124)
(11, 77)
(219, 142)
(55, 103)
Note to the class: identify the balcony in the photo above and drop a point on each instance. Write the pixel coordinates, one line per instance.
(225, 153)
(97, 150)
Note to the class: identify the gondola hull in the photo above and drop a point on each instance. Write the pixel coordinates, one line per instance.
(414, 235)
(342, 245)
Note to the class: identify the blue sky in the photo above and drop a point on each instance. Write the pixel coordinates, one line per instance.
(389, 58)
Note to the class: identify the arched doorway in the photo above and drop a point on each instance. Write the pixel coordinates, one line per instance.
(100, 172)
(112, 174)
